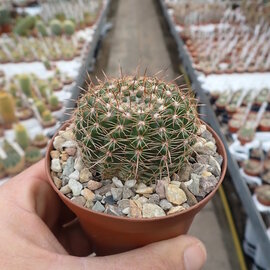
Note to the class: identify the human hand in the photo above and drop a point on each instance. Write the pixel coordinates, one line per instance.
(33, 237)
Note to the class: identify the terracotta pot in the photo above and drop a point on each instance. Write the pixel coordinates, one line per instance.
(253, 172)
(261, 195)
(233, 129)
(111, 234)
(243, 140)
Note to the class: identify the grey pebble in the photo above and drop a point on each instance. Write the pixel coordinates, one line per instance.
(118, 183)
(127, 193)
(80, 200)
(122, 204)
(117, 193)
(153, 198)
(69, 167)
(113, 210)
(165, 204)
(109, 200)
(98, 207)
(65, 189)
(75, 186)
(130, 183)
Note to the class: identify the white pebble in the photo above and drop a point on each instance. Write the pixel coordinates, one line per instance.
(75, 187)
(117, 182)
(56, 165)
(75, 175)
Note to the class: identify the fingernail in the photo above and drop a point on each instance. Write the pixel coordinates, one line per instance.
(194, 257)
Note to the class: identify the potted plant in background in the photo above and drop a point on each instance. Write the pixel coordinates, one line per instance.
(135, 163)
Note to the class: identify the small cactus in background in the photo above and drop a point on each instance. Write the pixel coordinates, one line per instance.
(69, 27)
(40, 106)
(40, 141)
(32, 155)
(41, 28)
(24, 25)
(47, 64)
(54, 102)
(56, 27)
(25, 84)
(136, 128)
(47, 116)
(13, 89)
(21, 136)
(7, 108)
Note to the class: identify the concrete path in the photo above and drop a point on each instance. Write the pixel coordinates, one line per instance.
(137, 39)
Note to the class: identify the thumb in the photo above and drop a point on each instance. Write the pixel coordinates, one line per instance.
(182, 253)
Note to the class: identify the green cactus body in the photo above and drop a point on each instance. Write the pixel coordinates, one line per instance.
(41, 28)
(7, 108)
(54, 102)
(24, 25)
(21, 136)
(136, 128)
(68, 27)
(25, 84)
(13, 89)
(5, 17)
(32, 155)
(47, 116)
(56, 27)
(40, 106)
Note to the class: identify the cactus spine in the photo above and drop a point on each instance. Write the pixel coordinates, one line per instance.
(7, 108)
(136, 128)
(21, 136)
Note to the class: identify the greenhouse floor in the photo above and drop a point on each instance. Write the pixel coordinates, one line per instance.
(138, 39)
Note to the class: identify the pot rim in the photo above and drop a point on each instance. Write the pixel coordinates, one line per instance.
(130, 219)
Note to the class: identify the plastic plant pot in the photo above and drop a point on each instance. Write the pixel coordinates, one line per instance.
(111, 234)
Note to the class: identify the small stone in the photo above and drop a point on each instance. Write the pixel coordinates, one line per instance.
(127, 193)
(69, 167)
(207, 135)
(117, 193)
(93, 185)
(70, 143)
(130, 183)
(109, 200)
(69, 195)
(75, 187)
(142, 200)
(184, 173)
(186, 205)
(198, 168)
(56, 165)
(146, 190)
(103, 190)
(175, 195)
(206, 174)
(80, 200)
(57, 182)
(211, 146)
(194, 185)
(64, 156)
(175, 177)
(214, 166)
(108, 193)
(175, 209)
(113, 210)
(68, 135)
(134, 210)
(151, 210)
(75, 175)
(98, 197)
(122, 204)
(154, 198)
(89, 204)
(160, 188)
(65, 189)
(218, 158)
(71, 151)
(58, 142)
(78, 164)
(201, 129)
(136, 197)
(88, 194)
(202, 159)
(125, 211)
(85, 175)
(117, 182)
(207, 185)
(141, 185)
(165, 204)
(191, 199)
(55, 154)
(98, 207)
(176, 183)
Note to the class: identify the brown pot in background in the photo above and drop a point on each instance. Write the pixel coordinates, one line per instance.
(111, 234)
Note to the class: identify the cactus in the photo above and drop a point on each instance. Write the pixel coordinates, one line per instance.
(21, 136)
(54, 102)
(24, 25)
(4, 16)
(68, 27)
(41, 28)
(47, 116)
(13, 163)
(32, 154)
(40, 106)
(13, 89)
(25, 84)
(40, 141)
(7, 108)
(56, 27)
(136, 128)
(47, 64)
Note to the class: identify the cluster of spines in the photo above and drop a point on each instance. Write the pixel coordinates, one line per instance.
(136, 128)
